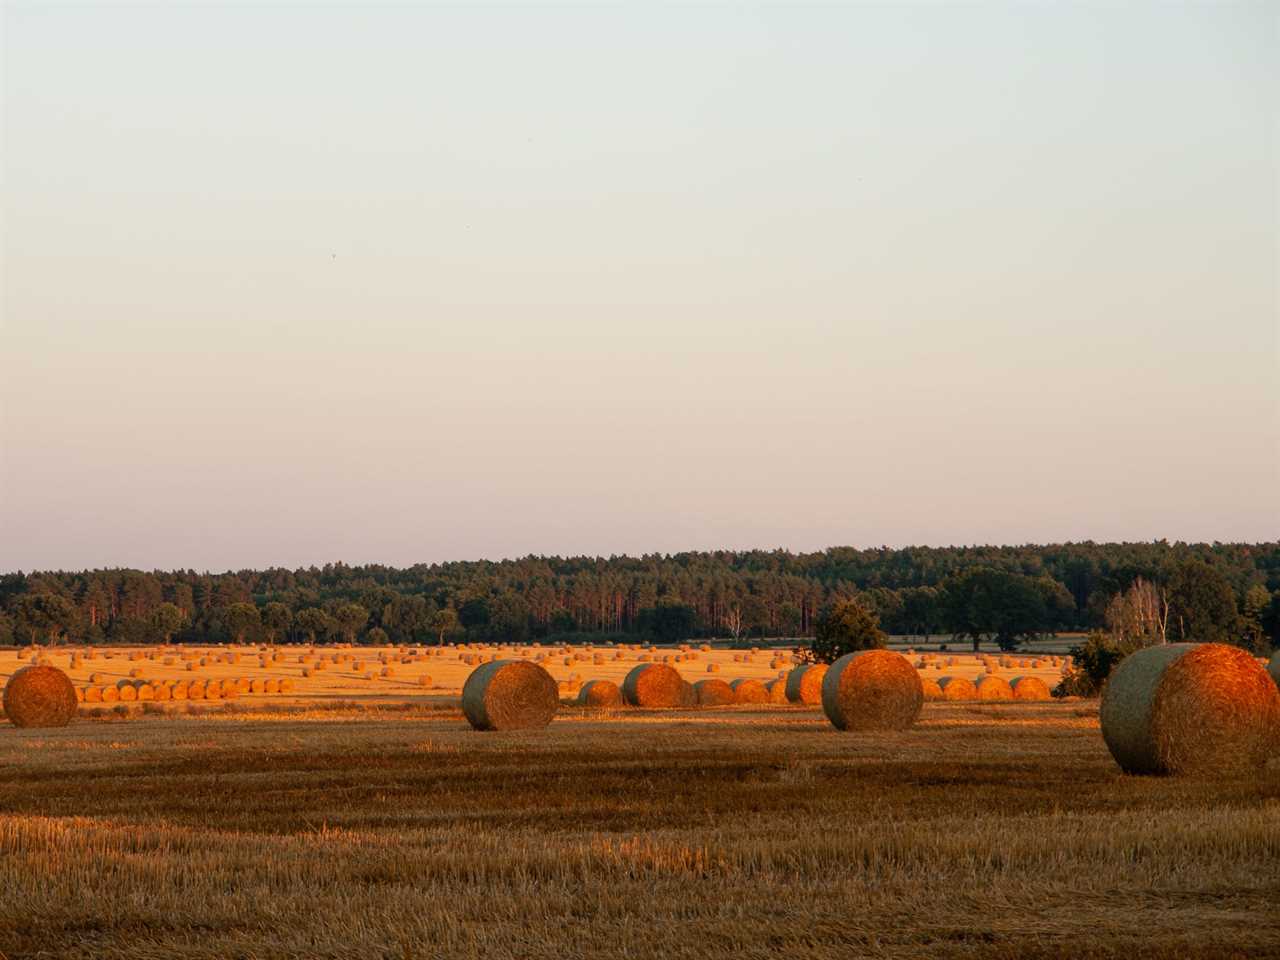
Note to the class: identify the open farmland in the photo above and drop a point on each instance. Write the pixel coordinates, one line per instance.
(326, 825)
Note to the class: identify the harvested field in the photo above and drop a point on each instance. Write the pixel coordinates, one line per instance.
(275, 827)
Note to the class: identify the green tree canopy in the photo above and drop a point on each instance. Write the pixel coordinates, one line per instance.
(845, 626)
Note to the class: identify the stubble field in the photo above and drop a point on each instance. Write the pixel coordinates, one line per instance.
(330, 826)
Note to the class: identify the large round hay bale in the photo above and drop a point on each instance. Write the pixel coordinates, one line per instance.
(110, 694)
(271, 686)
(776, 690)
(929, 687)
(146, 691)
(509, 695)
(92, 694)
(713, 692)
(40, 696)
(992, 687)
(746, 690)
(804, 683)
(1029, 688)
(653, 685)
(600, 693)
(126, 691)
(872, 690)
(1197, 708)
(687, 696)
(957, 688)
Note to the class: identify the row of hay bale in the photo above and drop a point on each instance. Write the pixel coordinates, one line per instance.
(228, 689)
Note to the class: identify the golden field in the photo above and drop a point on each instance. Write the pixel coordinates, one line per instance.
(366, 819)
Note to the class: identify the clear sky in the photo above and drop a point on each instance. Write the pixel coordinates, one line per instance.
(299, 284)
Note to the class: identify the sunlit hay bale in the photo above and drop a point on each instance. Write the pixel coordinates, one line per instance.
(652, 685)
(951, 661)
(1029, 688)
(110, 694)
(1190, 708)
(79, 694)
(746, 690)
(620, 655)
(1036, 664)
(713, 692)
(600, 693)
(76, 662)
(957, 688)
(777, 690)
(258, 685)
(705, 648)
(285, 685)
(164, 691)
(191, 665)
(135, 673)
(213, 690)
(99, 678)
(146, 691)
(388, 672)
(195, 690)
(737, 658)
(271, 686)
(92, 695)
(126, 691)
(229, 690)
(804, 683)
(872, 690)
(643, 658)
(509, 695)
(992, 687)
(930, 688)
(135, 655)
(713, 668)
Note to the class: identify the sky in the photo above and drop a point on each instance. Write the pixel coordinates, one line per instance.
(296, 284)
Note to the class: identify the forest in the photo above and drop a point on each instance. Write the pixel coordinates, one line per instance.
(1221, 591)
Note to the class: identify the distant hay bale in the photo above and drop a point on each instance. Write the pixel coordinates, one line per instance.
(930, 688)
(713, 692)
(957, 688)
(146, 691)
(164, 691)
(213, 690)
(92, 694)
(600, 693)
(195, 690)
(713, 668)
(1190, 708)
(1029, 688)
(509, 695)
(804, 683)
(777, 690)
(653, 685)
(285, 685)
(872, 690)
(746, 690)
(179, 690)
(424, 680)
(687, 696)
(126, 692)
(258, 685)
(110, 694)
(271, 686)
(992, 687)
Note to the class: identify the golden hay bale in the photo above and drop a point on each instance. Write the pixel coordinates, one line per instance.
(146, 691)
(930, 688)
(687, 696)
(713, 692)
(600, 693)
(110, 694)
(40, 696)
(195, 690)
(126, 691)
(257, 685)
(872, 690)
(509, 695)
(271, 686)
(213, 690)
(713, 668)
(92, 694)
(776, 690)
(180, 690)
(99, 678)
(285, 685)
(653, 685)
(1029, 688)
(804, 683)
(424, 680)
(992, 687)
(164, 691)
(1196, 708)
(957, 688)
(746, 690)
(388, 672)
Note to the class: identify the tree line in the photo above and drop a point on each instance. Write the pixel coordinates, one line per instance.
(1222, 592)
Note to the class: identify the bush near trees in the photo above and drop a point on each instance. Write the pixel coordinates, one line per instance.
(1003, 594)
(846, 626)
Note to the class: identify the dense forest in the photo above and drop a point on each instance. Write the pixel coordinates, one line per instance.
(1214, 591)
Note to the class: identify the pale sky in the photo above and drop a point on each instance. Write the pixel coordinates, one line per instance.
(300, 284)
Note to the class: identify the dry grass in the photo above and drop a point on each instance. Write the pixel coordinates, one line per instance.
(751, 832)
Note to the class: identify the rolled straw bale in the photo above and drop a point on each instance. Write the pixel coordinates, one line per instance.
(688, 696)
(164, 691)
(992, 687)
(653, 685)
(285, 685)
(146, 691)
(746, 690)
(1194, 708)
(1029, 688)
(213, 690)
(99, 678)
(957, 688)
(872, 690)
(271, 686)
(110, 694)
(713, 668)
(229, 690)
(509, 695)
(258, 685)
(424, 680)
(195, 690)
(804, 683)
(930, 688)
(600, 693)
(126, 691)
(92, 694)
(713, 692)
(777, 690)
(180, 690)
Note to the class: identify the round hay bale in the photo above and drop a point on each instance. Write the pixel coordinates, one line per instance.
(164, 691)
(688, 697)
(99, 678)
(776, 690)
(713, 668)
(653, 685)
(600, 693)
(126, 691)
(930, 688)
(1029, 688)
(713, 692)
(872, 690)
(258, 685)
(110, 694)
(179, 691)
(992, 687)
(195, 690)
(746, 690)
(146, 691)
(285, 685)
(1193, 708)
(509, 695)
(213, 690)
(271, 686)
(92, 694)
(804, 683)
(957, 688)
